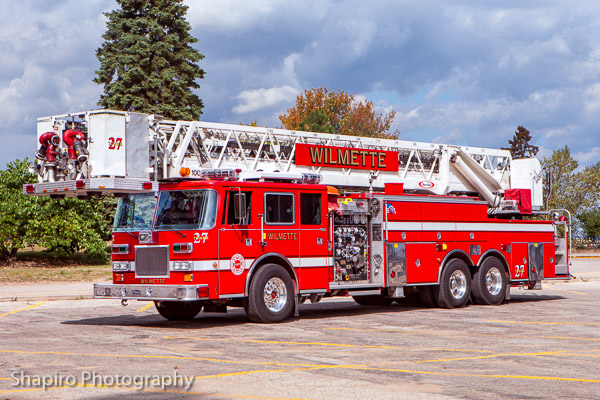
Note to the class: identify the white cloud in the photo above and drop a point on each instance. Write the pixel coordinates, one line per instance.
(254, 100)
(592, 99)
(451, 70)
(552, 134)
(591, 156)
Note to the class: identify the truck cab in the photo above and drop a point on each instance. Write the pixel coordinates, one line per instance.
(203, 241)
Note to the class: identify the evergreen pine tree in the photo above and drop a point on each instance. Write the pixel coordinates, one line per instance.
(519, 145)
(146, 62)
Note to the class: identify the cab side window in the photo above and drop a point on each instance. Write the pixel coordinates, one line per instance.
(310, 209)
(279, 208)
(229, 214)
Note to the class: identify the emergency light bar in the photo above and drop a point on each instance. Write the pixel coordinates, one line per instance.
(219, 174)
(304, 178)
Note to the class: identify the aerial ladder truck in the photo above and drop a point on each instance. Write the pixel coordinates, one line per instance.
(213, 215)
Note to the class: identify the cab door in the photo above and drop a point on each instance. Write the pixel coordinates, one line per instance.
(239, 239)
(281, 226)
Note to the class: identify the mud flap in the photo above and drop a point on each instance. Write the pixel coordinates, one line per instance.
(536, 265)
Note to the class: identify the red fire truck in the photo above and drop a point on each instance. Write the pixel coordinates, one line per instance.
(214, 215)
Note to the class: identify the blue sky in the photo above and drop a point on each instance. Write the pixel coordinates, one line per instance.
(455, 71)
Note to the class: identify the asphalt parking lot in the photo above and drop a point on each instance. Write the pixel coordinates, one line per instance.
(541, 345)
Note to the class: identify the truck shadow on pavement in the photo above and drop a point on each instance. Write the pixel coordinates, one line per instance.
(323, 310)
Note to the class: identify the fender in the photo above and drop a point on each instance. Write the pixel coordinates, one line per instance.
(456, 253)
(497, 254)
(275, 258)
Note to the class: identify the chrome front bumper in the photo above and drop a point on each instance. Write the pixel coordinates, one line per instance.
(148, 292)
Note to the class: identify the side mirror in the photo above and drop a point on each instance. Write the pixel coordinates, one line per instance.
(239, 200)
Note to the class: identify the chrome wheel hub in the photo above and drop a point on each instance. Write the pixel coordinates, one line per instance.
(493, 281)
(275, 294)
(458, 284)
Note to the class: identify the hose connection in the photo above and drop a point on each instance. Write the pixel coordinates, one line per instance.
(47, 151)
(76, 148)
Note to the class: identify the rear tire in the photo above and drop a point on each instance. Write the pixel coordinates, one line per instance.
(455, 285)
(373, 300)
(489, 282)
(271, 295)
(178, 310)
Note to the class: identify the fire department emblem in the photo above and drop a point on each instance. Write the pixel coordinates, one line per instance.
(238, 264)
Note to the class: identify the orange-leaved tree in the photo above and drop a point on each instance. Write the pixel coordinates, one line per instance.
(319, 110)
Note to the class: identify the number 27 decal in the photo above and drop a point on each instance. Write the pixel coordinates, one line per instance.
(519, 271)
(200, 238)
(115, 143)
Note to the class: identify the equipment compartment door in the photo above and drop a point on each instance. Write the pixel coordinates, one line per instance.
(519, 266)
(421, 266)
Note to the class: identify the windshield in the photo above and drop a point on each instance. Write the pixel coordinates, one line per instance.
(135, 212)
(187, 209)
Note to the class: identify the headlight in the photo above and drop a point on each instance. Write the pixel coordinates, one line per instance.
(120, 266)
(182, 266)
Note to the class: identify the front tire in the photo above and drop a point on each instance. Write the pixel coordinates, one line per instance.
(489, 282)
(455, 285)
(178, 310)
(271, 295)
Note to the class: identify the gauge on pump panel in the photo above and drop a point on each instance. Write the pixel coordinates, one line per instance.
(363, 219)
(356, 218)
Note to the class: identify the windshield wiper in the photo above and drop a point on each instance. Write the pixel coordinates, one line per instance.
(174, 230)
(126, 231)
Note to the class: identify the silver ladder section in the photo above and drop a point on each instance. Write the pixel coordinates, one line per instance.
(422, 166)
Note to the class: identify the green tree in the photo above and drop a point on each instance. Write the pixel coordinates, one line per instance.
(68, 225)
(146, 62)
(316, 121)
(61, 226)
(590, 223)
(520, 146)
(16, 209)
(339, 113)
(575, 190)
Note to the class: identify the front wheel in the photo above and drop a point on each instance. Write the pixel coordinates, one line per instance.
(489, 282)
(178, 310)
(455, 285)
(271, 295)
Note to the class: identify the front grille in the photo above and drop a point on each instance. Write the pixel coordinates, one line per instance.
(152, 261)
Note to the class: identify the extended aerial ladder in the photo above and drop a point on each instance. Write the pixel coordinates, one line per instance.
(104, 151)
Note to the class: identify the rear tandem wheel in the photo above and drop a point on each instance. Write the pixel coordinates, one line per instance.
(454, 289)
(489, 282)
